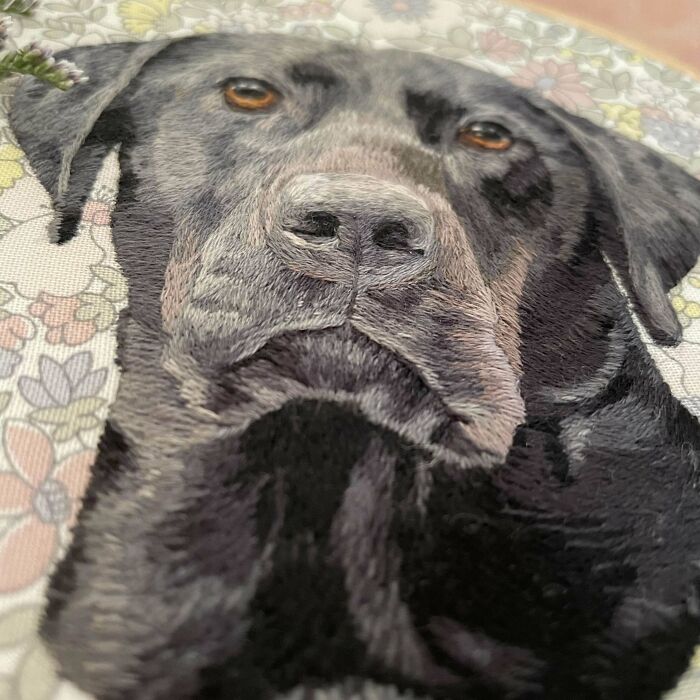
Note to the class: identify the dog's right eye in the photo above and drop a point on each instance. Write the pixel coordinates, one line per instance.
(250, 94)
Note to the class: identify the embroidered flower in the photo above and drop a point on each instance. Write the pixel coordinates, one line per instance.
(9, 361)
(38, 495)
(559, 82)
(389, 19)
(140, 17)
(11, 168)
(686, 309)
(499, 47)
(15, 330)
(626, 120)
(59, 315)
(65, 395)
(60, 384)
(97, 212)
(675, 137)
(402, 10)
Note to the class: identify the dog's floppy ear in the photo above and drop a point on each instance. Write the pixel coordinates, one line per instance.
(655, 237)
(61, 132)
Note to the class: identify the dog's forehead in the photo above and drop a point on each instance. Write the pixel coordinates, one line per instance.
(384, 73)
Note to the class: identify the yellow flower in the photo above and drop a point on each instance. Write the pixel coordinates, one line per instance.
(627, 120)
(203, 28)
(11, 169)
(678, 303)
(566, 53)
(692, 309)
(142, 16)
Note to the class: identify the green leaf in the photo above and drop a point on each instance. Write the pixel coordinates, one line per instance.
(55, 34)
(652, 69)
(18, 624)
(107, 274)
(60, 7)
(607, 77)
(98, 14)
(57, 415)
(337, 33)
(543, 51)
(622, 81)
(451, 52)
(4, 400)
(591, 44)
(604, 93)
(556, 32)
(530, 28)
(460, 37)
(17, 7)
(76, 25)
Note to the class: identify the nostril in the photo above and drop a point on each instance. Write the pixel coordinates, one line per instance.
(315, 225)
(394, 235)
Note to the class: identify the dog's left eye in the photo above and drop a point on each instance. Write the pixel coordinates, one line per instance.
(250, 93)
(487, 135)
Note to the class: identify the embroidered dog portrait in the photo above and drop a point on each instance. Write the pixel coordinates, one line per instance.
(385, 425)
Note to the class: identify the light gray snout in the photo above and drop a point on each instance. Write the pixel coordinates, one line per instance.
(354, 229)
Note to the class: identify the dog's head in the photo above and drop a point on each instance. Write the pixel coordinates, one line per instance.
(274, 189)
(392, 231)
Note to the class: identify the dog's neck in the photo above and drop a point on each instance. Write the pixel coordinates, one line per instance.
(620, 405)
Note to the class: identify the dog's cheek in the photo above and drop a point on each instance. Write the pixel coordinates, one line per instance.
(178, 276)
(507, 290)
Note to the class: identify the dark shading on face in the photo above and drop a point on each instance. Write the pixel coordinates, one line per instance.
(385, 427)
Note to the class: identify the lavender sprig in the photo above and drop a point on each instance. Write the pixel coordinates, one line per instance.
(39, 61)
(34, 59)
(18, 7)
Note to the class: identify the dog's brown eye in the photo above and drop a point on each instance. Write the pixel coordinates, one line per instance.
(248, 93)
(486, 135)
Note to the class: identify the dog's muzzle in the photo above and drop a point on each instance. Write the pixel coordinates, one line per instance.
(353, 229)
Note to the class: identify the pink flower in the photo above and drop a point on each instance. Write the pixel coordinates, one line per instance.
(499, 47)
(39, 496)
(559, 82)
(97, 212)
(315, 8)
(294, 12)
(59, 316)
(320, 9)
(14, 331)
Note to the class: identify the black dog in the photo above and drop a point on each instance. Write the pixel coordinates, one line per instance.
(385, 426)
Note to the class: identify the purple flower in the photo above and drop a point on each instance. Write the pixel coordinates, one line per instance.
(9, 359)
(681, 139)
(406, 10)
(60, 384)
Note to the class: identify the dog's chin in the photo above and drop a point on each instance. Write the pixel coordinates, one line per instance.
(343, 366)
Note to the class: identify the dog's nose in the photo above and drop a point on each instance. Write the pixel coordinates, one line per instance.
(353, 228)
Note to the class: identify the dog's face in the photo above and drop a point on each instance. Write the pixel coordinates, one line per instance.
(303, 225)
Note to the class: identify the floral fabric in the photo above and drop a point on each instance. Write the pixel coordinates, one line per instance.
(58, 305)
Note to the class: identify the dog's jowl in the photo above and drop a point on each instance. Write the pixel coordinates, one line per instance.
(385, 425)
